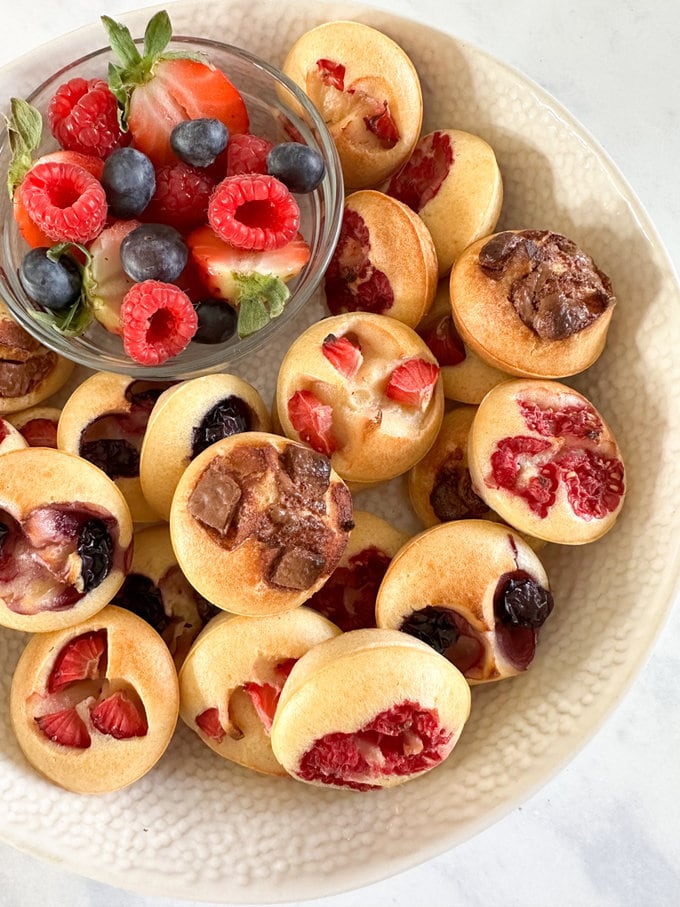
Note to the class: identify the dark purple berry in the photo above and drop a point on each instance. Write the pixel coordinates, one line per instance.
(433, 625)
(198, 142)
(95, 548)
(154, 252)
(115, 456)
(521, 602)
(216, 321)
(56, 285)
(129, 180)
(297, 166)
(229, 417)
(140, 595)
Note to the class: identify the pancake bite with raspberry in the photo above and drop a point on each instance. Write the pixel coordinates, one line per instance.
(94, 706)
(384, 261)
(532, 303)
(369, 709)
(258, 523)
(233, 676)
(186, 419)
(65, 533)
(452, 181)
(481, 608)
(545, 460)
(368, 93)
(364, 390)
(38, 425)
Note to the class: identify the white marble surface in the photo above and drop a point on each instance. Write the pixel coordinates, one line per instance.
(606, 831)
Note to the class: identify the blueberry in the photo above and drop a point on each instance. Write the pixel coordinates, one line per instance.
(154, 252)
(520, 601)
(129, 181)
(198, 142)
(230, 416)
(53, 284)
(95, 548)
(216, 321)
(298, 166)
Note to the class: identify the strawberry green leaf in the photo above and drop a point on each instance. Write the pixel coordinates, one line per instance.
(260, 298)
(24, 131)
(157, 35)
(76, 318)
(121, 42)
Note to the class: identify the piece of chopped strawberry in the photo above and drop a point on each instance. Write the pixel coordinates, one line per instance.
(344, 355)
(209, 722)
(313, 421)
(83, 658)
(65, 727)
(413, 382)
(265, 696)
(119, 717)
(105, 283)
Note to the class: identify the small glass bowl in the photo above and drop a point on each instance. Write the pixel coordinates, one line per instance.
(278, 111)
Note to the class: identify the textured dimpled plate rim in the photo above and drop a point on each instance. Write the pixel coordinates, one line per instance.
(197, 827)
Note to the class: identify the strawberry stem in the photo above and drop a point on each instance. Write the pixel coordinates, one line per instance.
(260, 297)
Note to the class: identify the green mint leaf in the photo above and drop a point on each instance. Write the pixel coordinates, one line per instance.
(157, 35)
(121, 42)
(24, 131)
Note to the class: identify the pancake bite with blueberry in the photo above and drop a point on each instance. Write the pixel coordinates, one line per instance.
(38, 425)
(258, 523)
(104, 421)
(369, 709)
(94, 706)
(364, 390)
(65, 538)
(544, 459)
(481, 608)
(532, 303)
(233, 676)
(368, 93)
(453, 183)
(186, 419)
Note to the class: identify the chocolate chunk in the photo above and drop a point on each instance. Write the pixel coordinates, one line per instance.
(497, 252)
(308, 468)
(21, 377)
(215, 497)
(297, 568)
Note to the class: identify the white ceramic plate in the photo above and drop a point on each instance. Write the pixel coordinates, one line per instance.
(200, 828)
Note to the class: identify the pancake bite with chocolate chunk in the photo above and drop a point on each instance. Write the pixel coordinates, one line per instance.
(258, 523)
(532, 303)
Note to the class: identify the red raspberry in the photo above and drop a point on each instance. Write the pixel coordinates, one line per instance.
(158, 321)
(65, 201)
(247, 153)
(181, 197)
(83, 116)
(254, 212)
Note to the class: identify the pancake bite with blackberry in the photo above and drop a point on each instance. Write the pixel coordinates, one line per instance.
(38, 425)
(104, 421)
(364, 390)
(453, 183)
(532, 303)
(258, 523)
(368, 93)
(186, 419)
(94, 706)
(65, 539)
(233, 676)
(542, 456)
(481, 608)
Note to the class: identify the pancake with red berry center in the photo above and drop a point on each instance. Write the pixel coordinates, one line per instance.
(10, 437)
(38, 425)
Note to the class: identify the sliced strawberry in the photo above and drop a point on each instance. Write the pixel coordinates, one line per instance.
(265, 696)
(118, 716)
(209, 722)
(83, 658)
(105, 283)
(65, 727)
(313, 421)
(342, 354)
(413, 382)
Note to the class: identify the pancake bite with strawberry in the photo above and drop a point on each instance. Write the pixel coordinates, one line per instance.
(10, 437)
(364, 390)
(94, 706)
(38, 425)
(483, 606)
(544, 459)
(368, 93)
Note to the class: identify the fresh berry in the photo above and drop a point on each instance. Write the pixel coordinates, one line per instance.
(83, 116)
(352, 282)
(153, 252)
(247, 153)
(299, 167)
(65, 727)
(158, 322)
(198, 142)
(413, 383)
(254, 212)
(65, 201)
(421, 177)
(181, 197)
(83, 658)
(52, 283)
(129, 180)
(119, 717)
(342, 354)
(313, 421)
(443, 340)
(105, 283)
(216, 321)
(209, 722)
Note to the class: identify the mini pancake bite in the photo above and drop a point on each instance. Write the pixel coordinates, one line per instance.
(368, 93)
(94, 706)
(348, 596)
(38, 425)
(384, 261)
(29, 372)
(363, 389)
(369, 709)
(453, 183)
(10, 437)
(156, 590)
(65, 536)
(186, 419)
(532, 303)
(233, 676)
(258, 523)
(474, 591)
(545, 460)
(104, 421)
